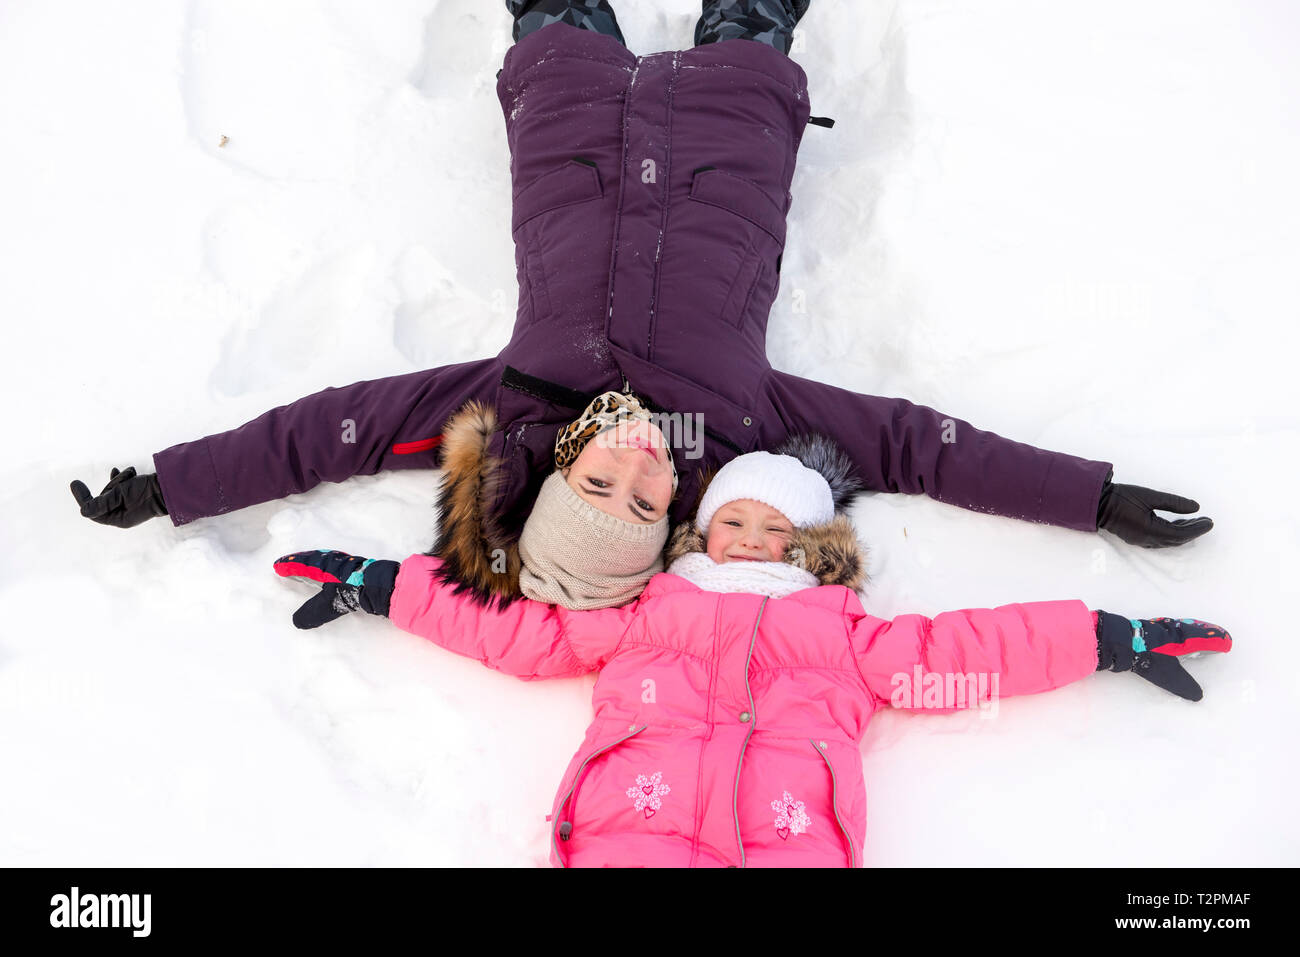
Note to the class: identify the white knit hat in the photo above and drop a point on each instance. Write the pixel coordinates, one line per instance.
(799, 493)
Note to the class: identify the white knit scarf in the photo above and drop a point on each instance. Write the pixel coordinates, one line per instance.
(776, 579)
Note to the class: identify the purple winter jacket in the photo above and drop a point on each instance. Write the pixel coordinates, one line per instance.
(650, 196)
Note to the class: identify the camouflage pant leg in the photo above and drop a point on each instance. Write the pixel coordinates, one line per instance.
(767, 21)
(595, 15)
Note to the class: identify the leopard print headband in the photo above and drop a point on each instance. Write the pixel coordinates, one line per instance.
(605, 412)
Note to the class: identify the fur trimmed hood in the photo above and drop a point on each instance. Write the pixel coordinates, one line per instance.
(480, 557)
(831, 551)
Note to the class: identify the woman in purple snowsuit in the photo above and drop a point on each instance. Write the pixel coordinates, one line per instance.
(650, 196)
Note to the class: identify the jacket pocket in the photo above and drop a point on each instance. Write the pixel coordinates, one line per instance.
(742, 288)
(524, 310)
(576, 181)
(761, 234)
(840, 821)
(533, 279)
(562, 821)
(737, 194)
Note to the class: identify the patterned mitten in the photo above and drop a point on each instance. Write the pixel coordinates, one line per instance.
(349, 582)
(1151, 646)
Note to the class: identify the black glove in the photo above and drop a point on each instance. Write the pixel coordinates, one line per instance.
(349, 582)
(1129, 512)
(1150, 647)
(127, 500)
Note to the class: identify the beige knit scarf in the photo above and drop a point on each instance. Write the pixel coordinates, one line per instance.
(576, 555)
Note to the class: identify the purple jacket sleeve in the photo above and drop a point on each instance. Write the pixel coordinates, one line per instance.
(391, 423)
(899, 446)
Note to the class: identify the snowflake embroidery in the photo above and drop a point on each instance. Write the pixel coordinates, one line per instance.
(791, 818)
(647, 793)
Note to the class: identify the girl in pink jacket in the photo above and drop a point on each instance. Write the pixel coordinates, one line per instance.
(735, 690)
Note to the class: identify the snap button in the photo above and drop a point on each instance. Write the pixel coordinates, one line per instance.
(744, 716)
(747, 420)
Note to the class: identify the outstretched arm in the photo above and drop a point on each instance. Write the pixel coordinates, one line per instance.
(360, 429)
(899, 446)
(960, 658)
(528, 639)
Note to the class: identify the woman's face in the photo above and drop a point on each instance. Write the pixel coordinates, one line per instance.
(746, 530)
(625, 472)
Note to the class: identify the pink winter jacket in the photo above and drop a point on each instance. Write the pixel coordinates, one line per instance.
(727, 725)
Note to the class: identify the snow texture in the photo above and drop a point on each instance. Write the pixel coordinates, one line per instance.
(1072, 224)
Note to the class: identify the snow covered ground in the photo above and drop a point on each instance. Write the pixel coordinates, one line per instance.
(1075, 224)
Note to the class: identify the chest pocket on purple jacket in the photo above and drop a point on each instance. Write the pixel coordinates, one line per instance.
(576, 181)
(758, 232)
(548, 220)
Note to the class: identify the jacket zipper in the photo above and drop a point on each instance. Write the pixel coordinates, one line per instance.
(577, 779)
(753, 720)
(835, 803)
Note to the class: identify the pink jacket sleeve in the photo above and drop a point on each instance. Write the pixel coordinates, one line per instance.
(529, 639)
(961, 658)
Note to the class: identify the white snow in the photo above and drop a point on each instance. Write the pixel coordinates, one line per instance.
(1074, 224)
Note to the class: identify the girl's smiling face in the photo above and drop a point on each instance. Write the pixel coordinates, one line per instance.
(746, 530)
(625, 472)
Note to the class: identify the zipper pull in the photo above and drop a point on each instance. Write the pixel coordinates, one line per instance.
(565, 830)
(627, 386)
